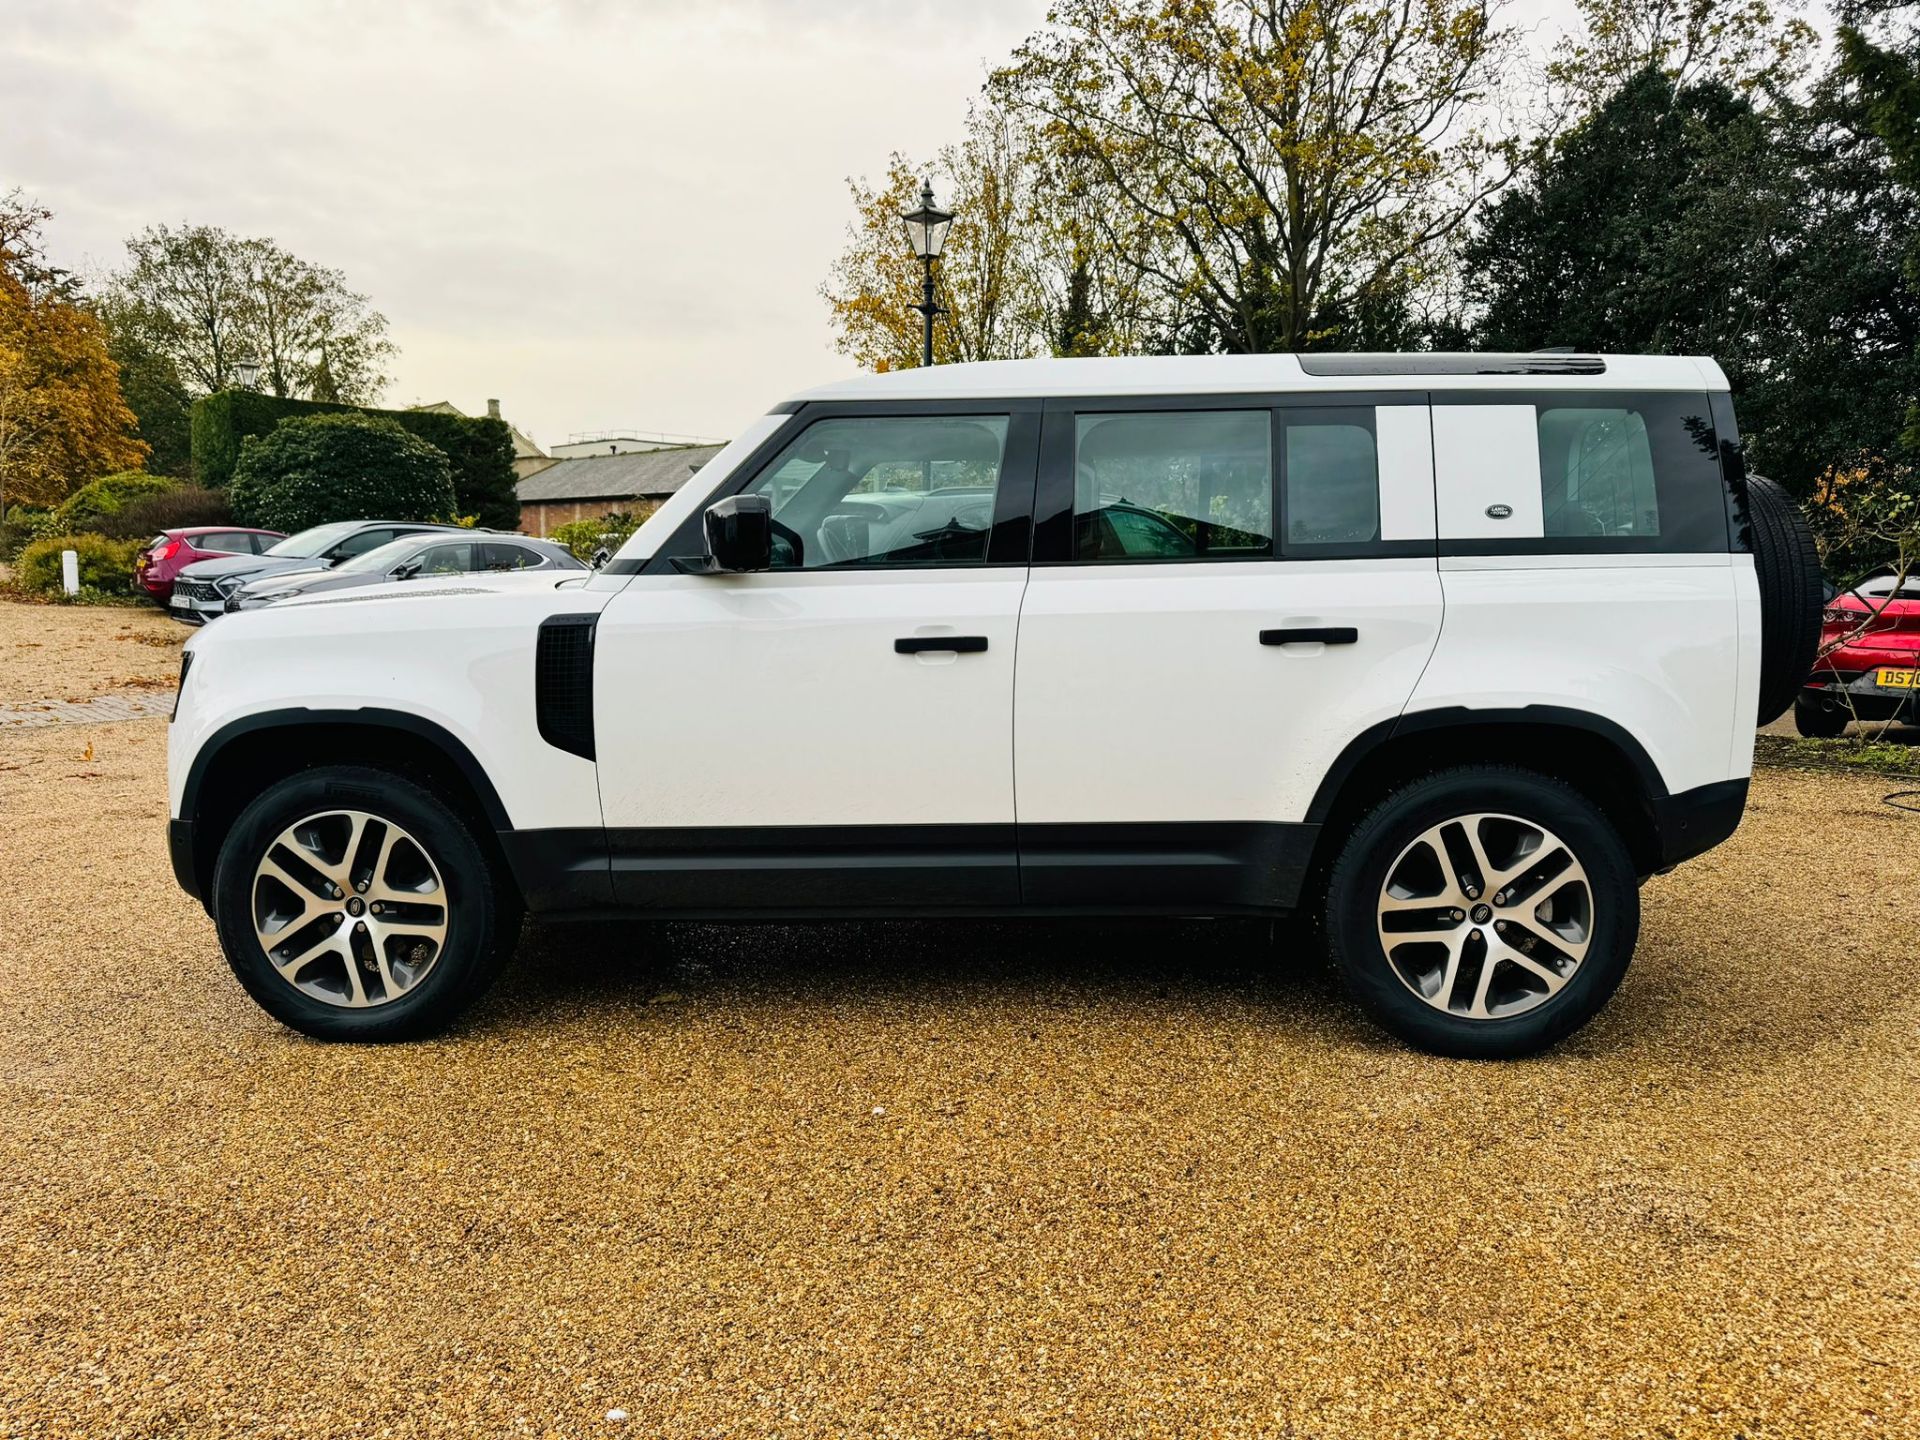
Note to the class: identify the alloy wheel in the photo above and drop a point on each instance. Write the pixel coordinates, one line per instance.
(1485, 916)
(349, 908)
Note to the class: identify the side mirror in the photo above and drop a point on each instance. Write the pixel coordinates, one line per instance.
(601, 556)
(406, 571)
(740, 533)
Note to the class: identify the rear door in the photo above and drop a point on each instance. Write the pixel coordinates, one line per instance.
(834, 733)
(1224, 594)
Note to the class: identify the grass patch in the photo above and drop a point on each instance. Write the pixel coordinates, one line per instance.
(1876, 756)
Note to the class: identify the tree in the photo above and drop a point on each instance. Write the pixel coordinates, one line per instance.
(62, 419)
(1885, 80)
(988, 275)
(339, 467)
(1745, 44)
(1292, 163)
(1686, 220)
(161, 406)
(205, 299)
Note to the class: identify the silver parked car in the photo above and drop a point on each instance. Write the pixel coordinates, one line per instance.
(412, 557)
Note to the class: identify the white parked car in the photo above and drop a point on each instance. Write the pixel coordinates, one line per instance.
(1450, 650)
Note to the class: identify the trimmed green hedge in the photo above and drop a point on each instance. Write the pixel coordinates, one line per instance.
(321, 468)
(105, 565)
(86, 507)
(583, 537)
(479, 448)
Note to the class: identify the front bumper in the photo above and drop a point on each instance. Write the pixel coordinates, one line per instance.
(193, 608)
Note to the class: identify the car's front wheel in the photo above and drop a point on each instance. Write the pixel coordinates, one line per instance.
(355, 904)
(1483, 912)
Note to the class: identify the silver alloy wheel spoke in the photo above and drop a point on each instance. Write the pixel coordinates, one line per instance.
(1513, 945)
(349, 934)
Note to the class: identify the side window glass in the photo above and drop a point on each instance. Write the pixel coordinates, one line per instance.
(506, 557)
(1331, 478)
(1173, 485)
(225, 542)
(359, 544)
(916, 490)
(446, 560)
(1596, 473)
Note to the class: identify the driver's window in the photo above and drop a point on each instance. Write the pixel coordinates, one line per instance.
(445, 560)
(913, 490)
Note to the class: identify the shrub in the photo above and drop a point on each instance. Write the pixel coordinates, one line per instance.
(348, 466)
(23, 524)
(479, 448)
(583, 537)
(86, 507)
(105, 565)
(171, 509)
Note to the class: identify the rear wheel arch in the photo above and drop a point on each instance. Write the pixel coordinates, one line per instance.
(1594, 755)
(243, 758)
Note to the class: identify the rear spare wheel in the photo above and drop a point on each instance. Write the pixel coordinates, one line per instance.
(1791, 594)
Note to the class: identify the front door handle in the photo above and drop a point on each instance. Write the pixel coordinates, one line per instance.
(1326, 635)
(961, 644)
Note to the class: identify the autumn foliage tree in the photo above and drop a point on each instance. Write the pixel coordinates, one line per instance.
(62, 418)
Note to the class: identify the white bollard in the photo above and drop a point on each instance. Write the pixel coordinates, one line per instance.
(70, 572)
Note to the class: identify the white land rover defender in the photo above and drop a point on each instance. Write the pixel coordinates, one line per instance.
(1451, 651)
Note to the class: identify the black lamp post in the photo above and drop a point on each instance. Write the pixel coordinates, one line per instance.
(927, 229)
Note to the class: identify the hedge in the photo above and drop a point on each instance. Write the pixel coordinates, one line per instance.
(322, 468)
(105, 565)
(85, 508)
(479, 447)
(583, 537)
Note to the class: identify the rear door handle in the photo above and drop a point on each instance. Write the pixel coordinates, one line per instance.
(1326, 635)
(962, 644)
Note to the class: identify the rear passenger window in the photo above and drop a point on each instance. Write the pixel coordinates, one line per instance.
(1173, 485)
(1596, 473)
(1330, 478)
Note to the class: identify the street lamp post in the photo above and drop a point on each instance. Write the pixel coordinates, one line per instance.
(927, 229)
(246, 371)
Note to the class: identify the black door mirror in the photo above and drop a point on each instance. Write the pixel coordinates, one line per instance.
(406, 570)
(740, 533)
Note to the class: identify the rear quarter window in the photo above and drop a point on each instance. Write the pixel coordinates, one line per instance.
(1617, 473)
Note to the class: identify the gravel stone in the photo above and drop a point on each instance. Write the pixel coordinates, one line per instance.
(1130, 1179)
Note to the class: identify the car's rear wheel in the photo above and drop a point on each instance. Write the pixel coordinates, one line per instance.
(1817, 720)
(354, 904)
(1483, 912)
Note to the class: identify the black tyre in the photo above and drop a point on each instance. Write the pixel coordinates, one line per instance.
(354, 904)
(1817, 721)
(1791, 594)
(1483, 912)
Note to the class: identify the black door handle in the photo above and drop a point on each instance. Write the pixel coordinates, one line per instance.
(1326, 635)
(962, 644)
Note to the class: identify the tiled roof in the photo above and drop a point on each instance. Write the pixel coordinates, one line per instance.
(643, 474)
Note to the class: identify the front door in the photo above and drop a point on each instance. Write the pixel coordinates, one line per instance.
(836, 732)
(1222, 598)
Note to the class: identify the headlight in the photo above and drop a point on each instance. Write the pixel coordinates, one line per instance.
(227, 585)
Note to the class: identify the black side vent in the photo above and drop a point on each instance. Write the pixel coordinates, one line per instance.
(563, 683)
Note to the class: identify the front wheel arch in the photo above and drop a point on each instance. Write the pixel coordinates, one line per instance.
(241, 759)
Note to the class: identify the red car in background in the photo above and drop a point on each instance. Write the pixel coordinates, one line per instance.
(171, 551)
(1872, 675)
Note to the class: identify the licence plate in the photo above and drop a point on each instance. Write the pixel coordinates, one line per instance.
(1896, 679)
(179, 602)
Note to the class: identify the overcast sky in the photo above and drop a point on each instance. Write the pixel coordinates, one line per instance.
(606, 215)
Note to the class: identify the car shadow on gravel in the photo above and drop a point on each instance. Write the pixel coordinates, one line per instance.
(609, 969)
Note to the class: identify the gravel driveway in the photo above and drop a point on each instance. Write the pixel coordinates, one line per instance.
(953, 1180)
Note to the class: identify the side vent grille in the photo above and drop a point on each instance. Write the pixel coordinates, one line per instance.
(563, 683)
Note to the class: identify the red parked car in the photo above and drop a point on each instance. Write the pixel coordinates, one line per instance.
(1875, 674)
(171, 551)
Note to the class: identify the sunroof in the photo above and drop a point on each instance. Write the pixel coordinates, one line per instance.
(1542, 363)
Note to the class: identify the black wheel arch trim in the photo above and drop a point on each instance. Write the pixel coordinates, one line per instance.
(180, 831)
